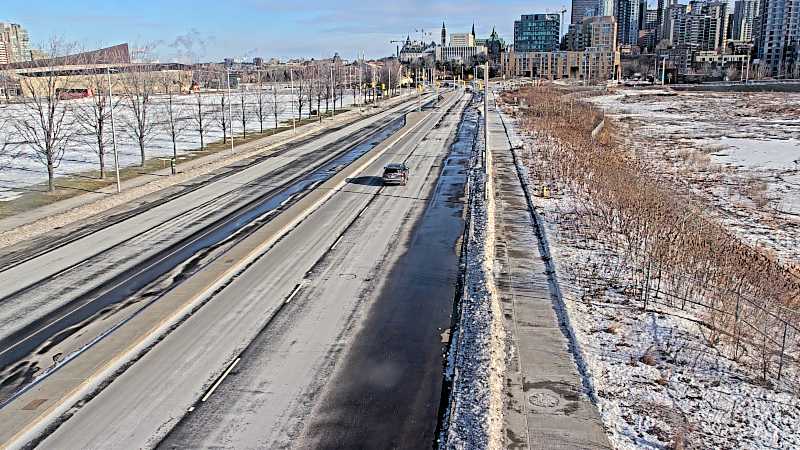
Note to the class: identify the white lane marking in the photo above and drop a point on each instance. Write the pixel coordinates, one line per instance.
(219, 381)
(337, 242)
(294, 292)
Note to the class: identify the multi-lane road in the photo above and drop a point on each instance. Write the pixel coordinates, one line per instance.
(289, 301)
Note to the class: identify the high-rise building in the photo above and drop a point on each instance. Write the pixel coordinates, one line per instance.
(444, 35)
(582, 9)
(3, 52)
(627, 14)
(778, 35)
(599, 32)
(15, 45)
(718, 13)
(674, 26)
(649, 29)
(537, 33)
(744, 12)
(699, 26)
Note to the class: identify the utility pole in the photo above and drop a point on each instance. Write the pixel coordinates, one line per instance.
(747, 71)
(485, 108)
(416, 85)
(230, 107)
(663, 69)
(333, 89)
(291, 98)
(360, 82)
(113, 131)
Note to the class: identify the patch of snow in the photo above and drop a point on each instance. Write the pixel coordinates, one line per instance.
(657, 382)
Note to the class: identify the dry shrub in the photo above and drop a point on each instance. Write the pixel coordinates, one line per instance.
(670, 251)
(649, 358)
(757, 190)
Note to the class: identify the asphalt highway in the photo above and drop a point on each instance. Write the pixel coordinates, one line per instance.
(260, 363)
(59, 295)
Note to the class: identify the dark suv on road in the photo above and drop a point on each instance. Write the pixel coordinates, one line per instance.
(395, 173)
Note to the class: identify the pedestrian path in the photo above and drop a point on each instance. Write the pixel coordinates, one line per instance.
(546, 403)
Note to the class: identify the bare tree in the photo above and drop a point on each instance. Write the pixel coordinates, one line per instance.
(309, 75)
(175, 123)
(244, 113)
(222, 113)
(299, 77)
(200, 117)
(45, 126)
(261, 103)
(139, 86)
(274, 106)
(93, 116)
(5, 157)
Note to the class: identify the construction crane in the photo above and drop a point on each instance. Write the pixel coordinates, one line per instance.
(398, 46)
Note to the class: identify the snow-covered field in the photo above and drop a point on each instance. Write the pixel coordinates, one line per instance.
(19, 168)
(659, 383)
(738, 151)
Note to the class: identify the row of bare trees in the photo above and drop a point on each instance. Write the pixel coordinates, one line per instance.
(149, 103)
(665, 250)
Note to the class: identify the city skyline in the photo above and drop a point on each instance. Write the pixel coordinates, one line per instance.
(182, 30)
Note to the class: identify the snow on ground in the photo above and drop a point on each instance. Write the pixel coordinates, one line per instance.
(476, 356)
(658, 384)
(740, 152)
(19, 167)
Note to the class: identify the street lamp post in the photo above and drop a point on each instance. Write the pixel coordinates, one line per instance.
(747, 71)
(291, 98)
(333, 90)
(113, 130)
(230, 107)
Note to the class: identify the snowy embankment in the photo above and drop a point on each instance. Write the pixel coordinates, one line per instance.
(476, 357)
(20, 167)
(658, 382)
(740, 152)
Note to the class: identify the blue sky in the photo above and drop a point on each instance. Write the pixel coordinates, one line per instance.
(211, 30)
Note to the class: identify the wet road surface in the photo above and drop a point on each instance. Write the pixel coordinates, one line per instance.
(180, 373)
(387, 391)
(117, 281)
(285, 373)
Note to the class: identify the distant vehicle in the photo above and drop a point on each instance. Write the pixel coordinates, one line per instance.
(395, 173)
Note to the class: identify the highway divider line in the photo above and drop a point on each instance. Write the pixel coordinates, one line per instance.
(294, 292)
(41, 423)
(222, 377)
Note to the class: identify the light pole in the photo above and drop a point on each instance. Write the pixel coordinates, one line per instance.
(113, 130)
(663, 69)
(333, 90)
(486, 109)
(747, 71)
(291, 98)
(230, 107)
